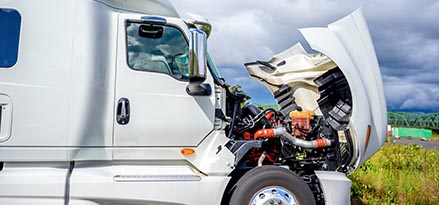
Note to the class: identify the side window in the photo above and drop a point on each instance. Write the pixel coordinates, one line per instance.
(10, 21)
(157, 48)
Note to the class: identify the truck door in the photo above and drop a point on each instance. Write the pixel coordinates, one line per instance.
(152, 107)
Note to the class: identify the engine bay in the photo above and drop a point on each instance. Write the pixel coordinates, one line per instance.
(293, 137)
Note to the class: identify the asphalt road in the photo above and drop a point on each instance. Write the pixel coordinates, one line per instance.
(424, 144)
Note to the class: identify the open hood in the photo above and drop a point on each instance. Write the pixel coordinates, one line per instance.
(342, 82)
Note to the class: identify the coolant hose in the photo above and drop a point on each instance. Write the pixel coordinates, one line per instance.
(282, 133)
(264, 133)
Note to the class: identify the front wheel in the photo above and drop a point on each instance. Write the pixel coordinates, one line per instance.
(271, 185)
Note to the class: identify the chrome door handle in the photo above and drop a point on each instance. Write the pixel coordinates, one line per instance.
(123, 111)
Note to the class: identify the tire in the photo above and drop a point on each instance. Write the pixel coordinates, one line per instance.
(258, 184)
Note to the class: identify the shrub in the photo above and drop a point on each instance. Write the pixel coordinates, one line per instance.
(398, 174)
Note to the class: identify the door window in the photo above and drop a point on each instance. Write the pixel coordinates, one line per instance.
(157, 48)
(10, 21)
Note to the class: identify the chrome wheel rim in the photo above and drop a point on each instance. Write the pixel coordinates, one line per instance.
(273, 195)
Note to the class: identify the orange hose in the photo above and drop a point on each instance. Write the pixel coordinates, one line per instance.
(321, 143)
(269, 115)
(268, 133)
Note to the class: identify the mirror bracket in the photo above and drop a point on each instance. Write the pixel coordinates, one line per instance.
(200, 23)
(199, 89)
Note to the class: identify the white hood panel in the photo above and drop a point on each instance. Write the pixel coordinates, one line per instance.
(298, 69)
(348, 45)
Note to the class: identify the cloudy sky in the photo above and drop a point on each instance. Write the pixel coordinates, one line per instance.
(405, 35)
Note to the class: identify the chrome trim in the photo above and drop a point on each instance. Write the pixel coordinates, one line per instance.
(155, 178)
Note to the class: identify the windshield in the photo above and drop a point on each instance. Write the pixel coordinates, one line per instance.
(157, 48)
(213, 68)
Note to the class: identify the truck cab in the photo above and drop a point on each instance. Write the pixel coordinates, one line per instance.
(119, 102)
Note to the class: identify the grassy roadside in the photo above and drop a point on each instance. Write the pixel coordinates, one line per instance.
(398, 174)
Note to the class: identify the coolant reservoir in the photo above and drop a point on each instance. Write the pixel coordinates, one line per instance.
(301, 119)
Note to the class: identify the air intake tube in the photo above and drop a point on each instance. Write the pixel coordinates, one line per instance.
(282, 133)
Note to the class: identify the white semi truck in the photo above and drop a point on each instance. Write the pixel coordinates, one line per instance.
(118, 102)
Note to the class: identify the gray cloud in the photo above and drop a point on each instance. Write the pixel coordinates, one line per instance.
(411, 96)
(405, 34)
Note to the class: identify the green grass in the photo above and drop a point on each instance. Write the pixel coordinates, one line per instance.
(397, 174)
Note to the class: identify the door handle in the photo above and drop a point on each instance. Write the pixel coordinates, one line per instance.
(5, 118)
(123, 111)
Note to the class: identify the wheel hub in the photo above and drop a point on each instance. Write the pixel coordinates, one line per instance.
(273, 195)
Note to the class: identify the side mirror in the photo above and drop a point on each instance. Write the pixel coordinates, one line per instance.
(197, 63)
(197, 56)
